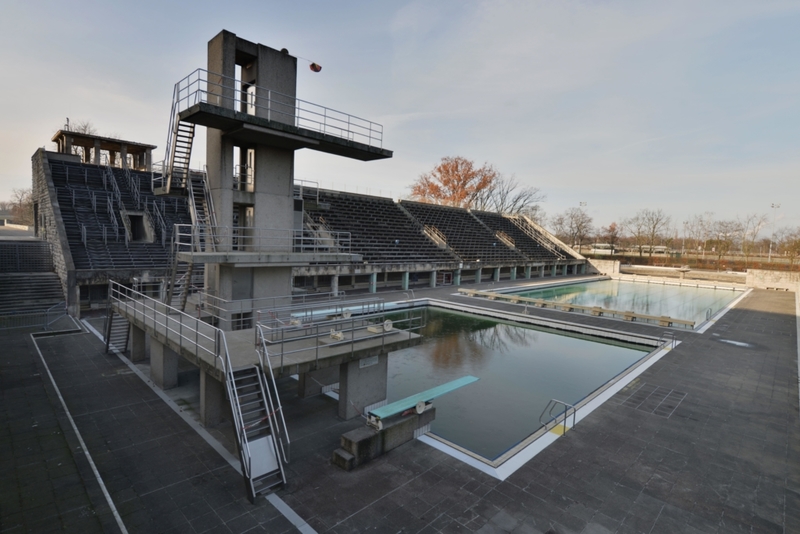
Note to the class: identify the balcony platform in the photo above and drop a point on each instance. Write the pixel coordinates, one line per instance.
(247, 128)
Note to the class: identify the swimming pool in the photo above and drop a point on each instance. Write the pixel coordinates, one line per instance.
(521, 368)
(678, 301)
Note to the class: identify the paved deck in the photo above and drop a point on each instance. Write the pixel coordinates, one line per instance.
(726, 460)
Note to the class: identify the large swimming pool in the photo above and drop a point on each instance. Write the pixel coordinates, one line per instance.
(681, 302)
(520, 369)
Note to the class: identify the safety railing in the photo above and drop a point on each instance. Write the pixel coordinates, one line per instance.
(528, 227)
(31, 319)
(303, 337)
(548, 418)
(668, 338)
(306, 189)
(202, 86)
(275, 410)
(180, 329)
(190, 238)
(243, 178)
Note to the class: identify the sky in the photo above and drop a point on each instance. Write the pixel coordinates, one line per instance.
(688, 107)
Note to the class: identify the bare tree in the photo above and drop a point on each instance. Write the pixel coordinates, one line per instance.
(505, 196)
(573, 226)
(790, 245)
(750, 226)
(655, 223)
(84, 127)
(726, 233)
(22, 206)
(637, 229)
(611, 234)
(699, 229)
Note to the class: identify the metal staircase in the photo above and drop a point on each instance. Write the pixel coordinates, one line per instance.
(179, 151)
(117, 332)
(260, 425)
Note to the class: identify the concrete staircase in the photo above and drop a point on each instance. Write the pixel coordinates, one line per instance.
(29, 292)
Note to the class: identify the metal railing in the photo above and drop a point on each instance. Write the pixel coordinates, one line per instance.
(31, 319)
(668, 338)
(179, 328)
(527, 226)
(275, 410)
(202, 86)
(560, 416)
(289, 333)
(190, 238)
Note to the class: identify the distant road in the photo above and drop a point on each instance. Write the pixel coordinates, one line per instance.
(13, 233)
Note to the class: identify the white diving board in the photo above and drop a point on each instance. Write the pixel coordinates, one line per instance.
(420, 401)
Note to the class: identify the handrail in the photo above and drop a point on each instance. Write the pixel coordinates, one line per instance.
(263, 354)
(552, 404)
(189, 238)
(227, 92)
(532, 232)
(668, 337)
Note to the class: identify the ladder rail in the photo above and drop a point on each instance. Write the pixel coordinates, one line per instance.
(564, 416)
(282, 432)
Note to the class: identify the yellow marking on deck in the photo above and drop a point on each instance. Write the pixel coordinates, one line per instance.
(559, 430)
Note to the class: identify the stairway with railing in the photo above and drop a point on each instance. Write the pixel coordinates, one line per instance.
(256, 409)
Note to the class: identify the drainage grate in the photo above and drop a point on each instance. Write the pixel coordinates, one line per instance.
(654, 399)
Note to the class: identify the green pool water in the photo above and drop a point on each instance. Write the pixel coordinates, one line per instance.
(679, 302)
(520, 369)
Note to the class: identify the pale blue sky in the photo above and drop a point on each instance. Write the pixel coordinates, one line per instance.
(684, 106)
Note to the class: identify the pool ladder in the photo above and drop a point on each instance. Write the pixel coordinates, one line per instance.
(551, 406)
(668, 337)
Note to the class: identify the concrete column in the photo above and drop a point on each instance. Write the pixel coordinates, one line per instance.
(335, 284)
(148, 160)
(163, 365)
(123, 154)
(373, 283)
(312, 382)
(478, 275)
(513, 273)
(405, 281)
(527, 272)
(362, 384)
(583, 268)
(138, 348)
(555, 269)
(212, 399)
(432, 281)
(457, 277)
(541, 272)
(496, 274)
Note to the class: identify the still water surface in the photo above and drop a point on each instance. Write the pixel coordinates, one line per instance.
(680, 302)
(520, 369)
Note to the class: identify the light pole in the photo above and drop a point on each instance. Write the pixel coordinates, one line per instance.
(775, 207)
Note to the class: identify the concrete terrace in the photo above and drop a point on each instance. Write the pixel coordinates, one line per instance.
(725, 460)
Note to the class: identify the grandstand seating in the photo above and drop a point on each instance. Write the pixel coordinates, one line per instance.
(523, 241)
(466, 236)
(84, 198)
(380, 230)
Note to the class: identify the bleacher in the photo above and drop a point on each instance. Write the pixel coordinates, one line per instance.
(523, 241)
(93, 223)
(464, 234)
(380, 230)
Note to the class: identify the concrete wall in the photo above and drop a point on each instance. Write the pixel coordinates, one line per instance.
(44, 194)
(595, 266)
(763, 279)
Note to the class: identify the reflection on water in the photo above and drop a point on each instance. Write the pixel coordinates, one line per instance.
(679, 302)
(520, 370)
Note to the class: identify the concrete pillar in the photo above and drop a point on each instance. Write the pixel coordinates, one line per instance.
(496, 274)
(527, 272)
(373, 283)
(478, 275)
(96, 153)
(513, 273)
(457, 277)
(138, 348)
(123, 155)
(541, 271)
(312, 382)
(432, 281)
(362, 385)
(163, 365)
(583, 268)
(405, 281)
(335, 284)
(555, 269)
(212, 399)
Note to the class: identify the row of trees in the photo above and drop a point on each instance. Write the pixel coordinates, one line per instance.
(20, 206)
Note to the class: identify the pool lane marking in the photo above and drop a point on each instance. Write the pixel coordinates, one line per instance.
(85, 449)
(276, 501)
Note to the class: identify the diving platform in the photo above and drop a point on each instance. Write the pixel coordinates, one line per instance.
(243, 127)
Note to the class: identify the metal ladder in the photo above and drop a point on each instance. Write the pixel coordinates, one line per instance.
(179, 150)
(560, 418)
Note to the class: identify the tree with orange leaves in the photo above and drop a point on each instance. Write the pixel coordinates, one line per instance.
(455, 181)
